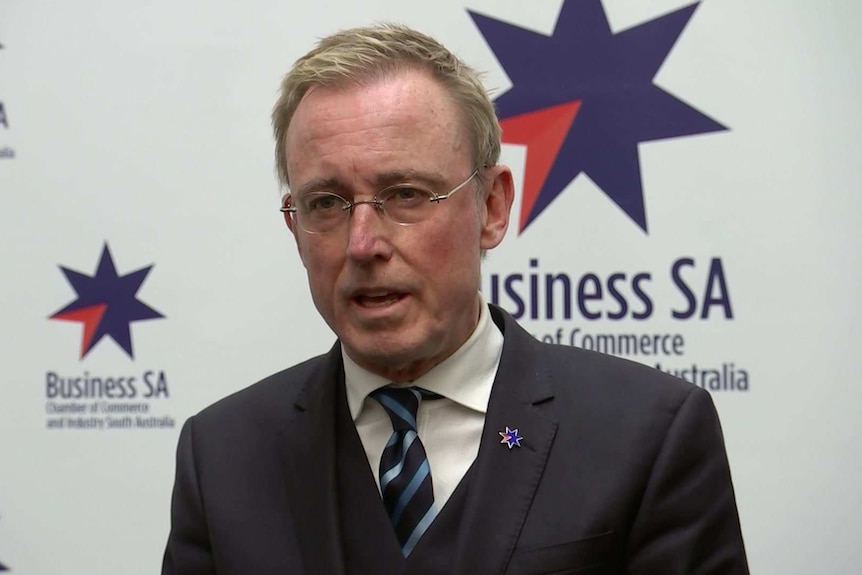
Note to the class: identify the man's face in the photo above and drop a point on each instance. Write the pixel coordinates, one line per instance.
(400, 298)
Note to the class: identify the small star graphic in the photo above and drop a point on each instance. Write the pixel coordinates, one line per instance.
(511, 437)
(3, 567)
(106, 304)
(583, 99)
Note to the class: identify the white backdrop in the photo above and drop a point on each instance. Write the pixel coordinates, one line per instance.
(146, 126)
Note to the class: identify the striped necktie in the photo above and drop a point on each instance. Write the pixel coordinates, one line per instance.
(405, 476)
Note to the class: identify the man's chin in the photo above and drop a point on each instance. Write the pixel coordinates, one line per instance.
(395, 361)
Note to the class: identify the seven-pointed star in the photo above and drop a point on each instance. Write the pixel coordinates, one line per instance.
(583, 98)
(106, 303)
(511, 437)
(3, 567)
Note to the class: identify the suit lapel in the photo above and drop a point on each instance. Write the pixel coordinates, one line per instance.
(504, 480)
(307, 444)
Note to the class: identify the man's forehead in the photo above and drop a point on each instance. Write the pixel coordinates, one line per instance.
(401, 124)
(411, 92)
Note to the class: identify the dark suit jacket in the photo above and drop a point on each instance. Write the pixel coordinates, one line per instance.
(622, 470)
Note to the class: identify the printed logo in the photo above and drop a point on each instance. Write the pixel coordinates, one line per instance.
(106, 304)
(3, 567)
(6, 153)
(583, 99)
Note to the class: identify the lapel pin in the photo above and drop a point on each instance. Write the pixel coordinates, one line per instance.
(511, 437)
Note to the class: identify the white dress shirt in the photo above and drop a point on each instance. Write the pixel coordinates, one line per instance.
(450, 428)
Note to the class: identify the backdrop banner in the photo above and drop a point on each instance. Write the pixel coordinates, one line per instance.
(688, 197)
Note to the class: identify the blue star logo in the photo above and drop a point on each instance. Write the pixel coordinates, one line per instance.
(3, 567)
(511, 437)
(583, 99)
(106, 303)
(3, 120)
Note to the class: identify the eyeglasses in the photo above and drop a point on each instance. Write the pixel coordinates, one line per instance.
(404, 204)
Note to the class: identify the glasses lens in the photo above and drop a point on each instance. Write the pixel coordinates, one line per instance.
(406, 204)
(320, 211)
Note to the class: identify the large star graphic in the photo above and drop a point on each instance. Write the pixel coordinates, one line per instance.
(583, 99)
(106, 303)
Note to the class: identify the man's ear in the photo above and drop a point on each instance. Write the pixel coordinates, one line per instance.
(499, 195)
(290, 225)
(288, 221)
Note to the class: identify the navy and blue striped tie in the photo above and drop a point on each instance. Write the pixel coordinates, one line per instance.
(405, 476)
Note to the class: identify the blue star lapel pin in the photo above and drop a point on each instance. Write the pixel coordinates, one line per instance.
(511, 437)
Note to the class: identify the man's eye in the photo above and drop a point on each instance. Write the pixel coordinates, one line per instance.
(321, 203)
(405, 196)
(406, 193)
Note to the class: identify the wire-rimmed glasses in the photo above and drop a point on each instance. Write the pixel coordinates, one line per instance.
(404, 204)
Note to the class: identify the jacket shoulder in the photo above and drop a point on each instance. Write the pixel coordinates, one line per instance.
(272, 396)
(595, 379)
(614, 374)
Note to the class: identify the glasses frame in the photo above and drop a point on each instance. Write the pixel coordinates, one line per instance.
(375, 201)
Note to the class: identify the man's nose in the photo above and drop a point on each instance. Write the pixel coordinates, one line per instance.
(367, 233)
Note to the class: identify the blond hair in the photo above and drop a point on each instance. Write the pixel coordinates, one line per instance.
(367, 54)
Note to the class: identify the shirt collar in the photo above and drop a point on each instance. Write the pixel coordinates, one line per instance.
(465, 377)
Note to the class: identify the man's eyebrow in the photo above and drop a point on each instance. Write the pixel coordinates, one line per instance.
(318, 184)
(381, 180)
(385, 179)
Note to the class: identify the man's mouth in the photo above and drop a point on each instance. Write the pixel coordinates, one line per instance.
(377, 299)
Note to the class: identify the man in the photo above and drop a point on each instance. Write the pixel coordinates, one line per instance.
(436, 436)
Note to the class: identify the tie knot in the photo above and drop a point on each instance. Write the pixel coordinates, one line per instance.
(402, 404)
